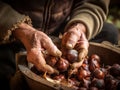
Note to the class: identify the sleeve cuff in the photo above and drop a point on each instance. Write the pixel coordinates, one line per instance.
(8, 36)
(88, 20)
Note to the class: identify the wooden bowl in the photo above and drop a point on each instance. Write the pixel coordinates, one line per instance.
(108, 54)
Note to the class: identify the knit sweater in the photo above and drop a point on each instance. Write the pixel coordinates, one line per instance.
(48, 15)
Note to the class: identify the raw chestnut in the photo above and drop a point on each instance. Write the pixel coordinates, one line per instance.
(99, 83)
(82, 73)
(62, 64)
(108, 78)
(51, 60)
(95, 57)
(93, 64)
(98, 74)
(85, 83)
(88, 76)
(111, 83)
(115, 70)
(72, 55)
(116, 65)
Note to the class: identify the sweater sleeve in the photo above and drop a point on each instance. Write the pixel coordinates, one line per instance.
(92, 13)
(9, 20)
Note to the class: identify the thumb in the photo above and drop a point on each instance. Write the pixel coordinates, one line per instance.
(82, 47)
(82, 54)
(70, 38)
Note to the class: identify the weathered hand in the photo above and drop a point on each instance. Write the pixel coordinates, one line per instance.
(75, 38)
(35, 42)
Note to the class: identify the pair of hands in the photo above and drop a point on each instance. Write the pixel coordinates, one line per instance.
(36, 41)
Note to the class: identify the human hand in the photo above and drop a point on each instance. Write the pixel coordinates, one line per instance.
(75, 38)
(35, 43)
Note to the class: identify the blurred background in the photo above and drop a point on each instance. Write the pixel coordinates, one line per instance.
(114, 14)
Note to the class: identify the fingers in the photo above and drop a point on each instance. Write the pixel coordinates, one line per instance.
(36, 57)
(50, 47)
(82, 47)
(46, 68)
(77, 40)
(77, 64)
(82, 54)
(70, 38)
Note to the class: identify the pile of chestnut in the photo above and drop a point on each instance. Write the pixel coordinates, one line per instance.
(91, 75)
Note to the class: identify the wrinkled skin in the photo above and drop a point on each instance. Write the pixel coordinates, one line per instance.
(36, 42)
(75, 38)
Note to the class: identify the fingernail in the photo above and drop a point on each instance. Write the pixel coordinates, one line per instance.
(69, 46)
(58, 53)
